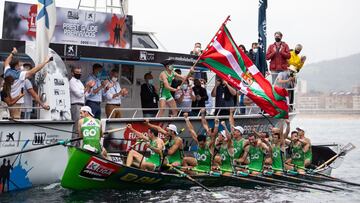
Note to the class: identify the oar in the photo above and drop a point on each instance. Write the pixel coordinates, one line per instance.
(290, 183)
(61, 142)
(347, 148)
(190, 178)
(331, 178)
(244, 178)
(311, 182)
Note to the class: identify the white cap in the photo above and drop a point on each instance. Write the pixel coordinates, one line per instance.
(293, 68)
(239, 128)
(87, 109)
(173, 128)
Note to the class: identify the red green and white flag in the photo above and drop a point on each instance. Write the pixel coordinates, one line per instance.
(223, 57)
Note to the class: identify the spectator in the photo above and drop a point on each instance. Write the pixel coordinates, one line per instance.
(224, 96)
(4, 112)
(94, 95)
(201, 97)
(287, 79)
(30, 94)
(149, 97)
(13, 69)
(113, 94)
(197, 49)
(253, 51)
(191, 81)
(184, 98)
(176, 82)
(77, 93)
(242, 47)
(166, 77)
(278, 54)
(209, 102)
(295, 59)
(6, 94)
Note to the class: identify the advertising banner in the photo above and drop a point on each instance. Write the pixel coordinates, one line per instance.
(75, 27)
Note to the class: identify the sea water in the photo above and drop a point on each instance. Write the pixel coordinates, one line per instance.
(320, 129)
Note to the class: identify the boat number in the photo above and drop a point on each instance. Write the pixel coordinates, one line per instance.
(91, 132)
(130, 177)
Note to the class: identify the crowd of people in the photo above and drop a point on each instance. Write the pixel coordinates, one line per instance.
(225, 150)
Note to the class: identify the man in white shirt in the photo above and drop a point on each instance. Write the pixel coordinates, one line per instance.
(184, 97)
(13, 68)
(113, 95)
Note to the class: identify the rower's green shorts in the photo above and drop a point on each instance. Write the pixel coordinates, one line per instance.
(155, 162)
(166, 95)
(308, 156)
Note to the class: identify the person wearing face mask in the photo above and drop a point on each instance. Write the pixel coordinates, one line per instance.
(278, 53)
(224, 96)
(113, 95)
(296, 60)
(184, 97)
(200, 97)
(149, 96)
(253, 51)
(94, 95)
(166, 77)
(197, 49)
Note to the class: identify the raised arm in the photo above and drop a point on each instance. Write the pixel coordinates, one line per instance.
(166, 83)
(137, 133)
(231, 120)
(158, 128)
(228, 136)
(190, 127)
(9, 58)
(203, 120)
(37, 68)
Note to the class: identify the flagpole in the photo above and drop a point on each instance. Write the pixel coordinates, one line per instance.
(198, 59)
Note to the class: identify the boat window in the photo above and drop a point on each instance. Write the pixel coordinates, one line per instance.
(143, 41)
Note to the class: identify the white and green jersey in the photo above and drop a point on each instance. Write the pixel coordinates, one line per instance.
(91, 132)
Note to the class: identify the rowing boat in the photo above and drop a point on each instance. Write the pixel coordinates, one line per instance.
(86, 170)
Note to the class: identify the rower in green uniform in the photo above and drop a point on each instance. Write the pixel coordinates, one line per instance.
(255, 149)
(308, 154)
(298, 149)
(278, 147)
(153, 143)
(226, 151)
(238, 140)
(165, 98)
(174, 144)
(89, 129)
(203, 156)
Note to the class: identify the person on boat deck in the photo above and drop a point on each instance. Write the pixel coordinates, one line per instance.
(296, 60)
(255, 149)
(203, 156)
(201, 97)
(94, 95)
(308, 154)
(89, 129)
(298, 148)
(6, 92)
(278, 147)
(197, 49)
(278, 54)
(238, 140)
(30, 94)
(113, 95)
(176, 82)
(224, 96)
(166, 77)
(149, 96)
(184, 98)
(173, 152)
(156, 146)
(13, 68)
(226, 152)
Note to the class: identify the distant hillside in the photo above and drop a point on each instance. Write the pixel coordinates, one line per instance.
(332, 75)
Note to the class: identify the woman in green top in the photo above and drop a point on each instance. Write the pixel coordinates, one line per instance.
(89, 129)
(155, 144)
(298, 149)
(202, 161)
(174, 146)
(166, 77)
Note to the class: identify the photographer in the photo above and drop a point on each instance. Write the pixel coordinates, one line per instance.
(224, 96)
(287, 80)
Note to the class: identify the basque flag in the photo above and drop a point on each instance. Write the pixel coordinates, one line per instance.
(45, 26)
(260, 60)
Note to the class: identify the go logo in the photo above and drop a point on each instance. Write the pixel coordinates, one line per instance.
(255, 156)
(89, 132)
(201, 157)
(275, 154)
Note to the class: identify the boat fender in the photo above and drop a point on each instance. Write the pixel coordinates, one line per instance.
(291, 172)
(242, 173)
(90, 148)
